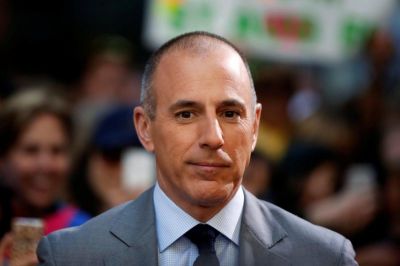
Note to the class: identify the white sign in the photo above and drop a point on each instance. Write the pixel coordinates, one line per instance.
(292, 30)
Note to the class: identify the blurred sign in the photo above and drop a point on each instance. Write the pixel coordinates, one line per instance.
(293, 30)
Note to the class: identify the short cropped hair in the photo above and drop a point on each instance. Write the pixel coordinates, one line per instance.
(23, 107)
(197, 41)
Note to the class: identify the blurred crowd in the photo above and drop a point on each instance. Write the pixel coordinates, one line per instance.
(335, 162)
(328, 148)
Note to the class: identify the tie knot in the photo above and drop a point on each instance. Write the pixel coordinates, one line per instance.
(203, 236)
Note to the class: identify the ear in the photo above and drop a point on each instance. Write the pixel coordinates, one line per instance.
(143, 125)
(256, 124)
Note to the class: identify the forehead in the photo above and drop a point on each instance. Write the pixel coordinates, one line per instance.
(220, 70)
(43, 124)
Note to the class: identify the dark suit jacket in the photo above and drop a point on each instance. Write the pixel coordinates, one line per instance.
(126, 235)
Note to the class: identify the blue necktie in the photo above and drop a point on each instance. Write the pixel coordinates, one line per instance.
(203, 236)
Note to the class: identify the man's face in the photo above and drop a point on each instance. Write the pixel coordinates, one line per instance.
(205, 126)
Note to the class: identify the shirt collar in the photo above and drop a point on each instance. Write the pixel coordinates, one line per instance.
(172, 222)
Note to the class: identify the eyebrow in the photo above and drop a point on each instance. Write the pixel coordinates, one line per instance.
(233, 103)
(193, 104)
(184, 104)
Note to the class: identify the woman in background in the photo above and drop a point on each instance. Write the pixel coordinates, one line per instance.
(35, 143)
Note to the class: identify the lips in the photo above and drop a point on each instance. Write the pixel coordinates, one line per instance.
(209, 167)
(43, 184)
(210, 164)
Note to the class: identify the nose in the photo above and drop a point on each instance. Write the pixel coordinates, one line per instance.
(46, 161)
(211, 135)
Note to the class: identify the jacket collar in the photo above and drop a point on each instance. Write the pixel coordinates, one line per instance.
(260, 235)
(135, 227)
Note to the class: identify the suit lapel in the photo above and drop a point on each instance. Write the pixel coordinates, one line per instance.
(135, 228)
(260, 236)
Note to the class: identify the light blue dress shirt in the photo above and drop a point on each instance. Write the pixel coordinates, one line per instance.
(172, 223)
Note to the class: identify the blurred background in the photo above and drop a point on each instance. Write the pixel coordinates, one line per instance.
(327, 73)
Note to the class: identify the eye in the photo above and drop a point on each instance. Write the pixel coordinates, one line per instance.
(184, 115)
(58, 150)
(231, 114)
(30, 149)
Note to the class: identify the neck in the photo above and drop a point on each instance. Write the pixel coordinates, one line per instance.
(201, 211)
(201, 214)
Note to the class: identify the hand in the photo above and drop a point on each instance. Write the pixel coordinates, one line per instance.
(348, 212)
(29, 259)
(5, 247)
(379, 255)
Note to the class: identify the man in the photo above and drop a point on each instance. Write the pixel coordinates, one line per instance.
(200, 118)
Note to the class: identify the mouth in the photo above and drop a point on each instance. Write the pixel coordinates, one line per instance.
(41, 184)
(209, 166)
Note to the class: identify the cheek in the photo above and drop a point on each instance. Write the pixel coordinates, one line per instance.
(19, 173)
(62, 165)
(21, 167)
(173, 143)
(239, 145)
(244, 139)
(242, 160)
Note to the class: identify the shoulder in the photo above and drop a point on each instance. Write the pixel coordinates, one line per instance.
(74, 243)
(303, 231)
(90, 242)
(97, 224)
(295, 238)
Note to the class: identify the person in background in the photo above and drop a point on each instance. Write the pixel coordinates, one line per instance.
(109, 79)
(386, 250)
(318, 173)
(275, 87)
(99, 180)
(35, 141)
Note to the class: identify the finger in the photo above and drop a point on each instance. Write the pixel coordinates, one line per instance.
(27, 260)
(5, 246)
(6, 242)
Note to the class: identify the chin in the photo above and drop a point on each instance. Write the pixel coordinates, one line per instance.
(213, 196)
(40, 202)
